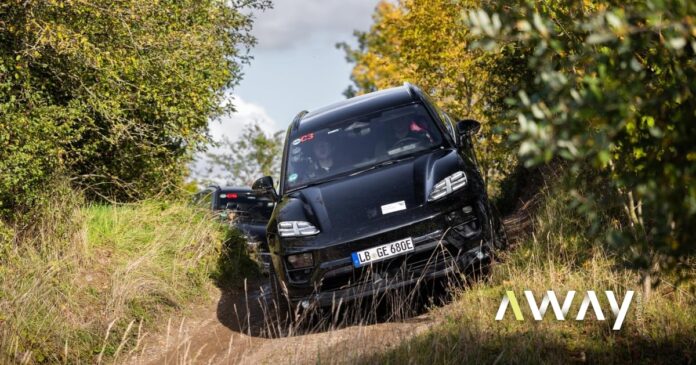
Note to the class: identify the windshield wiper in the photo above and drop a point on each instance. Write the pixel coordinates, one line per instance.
(382, 164)
(315, 183)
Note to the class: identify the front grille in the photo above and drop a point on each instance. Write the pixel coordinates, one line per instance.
(464, 226)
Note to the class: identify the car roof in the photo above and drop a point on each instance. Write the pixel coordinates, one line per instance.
(227, 189)
(354, 107)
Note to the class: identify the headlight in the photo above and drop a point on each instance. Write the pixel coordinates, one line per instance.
(296, 229)
(447, 185)
(301, 260)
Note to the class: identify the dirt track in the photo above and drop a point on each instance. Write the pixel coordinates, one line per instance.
(219, 334)
(233, 329)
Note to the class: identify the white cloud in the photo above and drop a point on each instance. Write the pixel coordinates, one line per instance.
(230, 126)
(295, 21)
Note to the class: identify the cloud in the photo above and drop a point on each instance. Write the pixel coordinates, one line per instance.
(230, 127)
(295, 21)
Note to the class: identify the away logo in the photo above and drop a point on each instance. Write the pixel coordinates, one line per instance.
(561, 311)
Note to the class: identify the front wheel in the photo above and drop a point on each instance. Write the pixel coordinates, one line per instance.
(289, 317)
(279, 300)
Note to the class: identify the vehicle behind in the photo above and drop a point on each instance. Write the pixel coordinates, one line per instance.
(244, 210)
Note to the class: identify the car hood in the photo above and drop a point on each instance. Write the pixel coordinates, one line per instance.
(372, 201)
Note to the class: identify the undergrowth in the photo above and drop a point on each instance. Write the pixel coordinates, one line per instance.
(80, 283)
(556, 253)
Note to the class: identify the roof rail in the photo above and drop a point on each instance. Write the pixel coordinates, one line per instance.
(296, 120)
(414, 92)
(410, 88)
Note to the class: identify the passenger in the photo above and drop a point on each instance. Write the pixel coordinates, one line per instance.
(406, 131)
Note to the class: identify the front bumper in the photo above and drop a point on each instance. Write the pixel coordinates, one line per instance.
(445, 244)
(376, 285)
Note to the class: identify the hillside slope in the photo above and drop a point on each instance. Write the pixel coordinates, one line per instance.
(84, 281)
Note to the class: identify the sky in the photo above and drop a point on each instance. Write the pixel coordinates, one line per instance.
(296, 65)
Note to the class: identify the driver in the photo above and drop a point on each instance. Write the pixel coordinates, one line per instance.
(324, 162)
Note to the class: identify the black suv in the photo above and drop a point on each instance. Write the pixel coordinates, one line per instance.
(377, 192)
(241, 206)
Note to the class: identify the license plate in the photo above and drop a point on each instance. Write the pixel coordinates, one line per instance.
(383, 252)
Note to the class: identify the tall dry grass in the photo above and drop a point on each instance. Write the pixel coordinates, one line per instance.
(556, 254)
(79, 283)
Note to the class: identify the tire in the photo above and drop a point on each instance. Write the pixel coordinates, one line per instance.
(279, 300)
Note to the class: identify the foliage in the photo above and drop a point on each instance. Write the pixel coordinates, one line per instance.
(235, 264)
(395, 50)
(608, 86)
(115, 95)
(253, 155)
(427, 44)
(614, 87)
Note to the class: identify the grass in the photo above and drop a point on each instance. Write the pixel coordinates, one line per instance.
(557, 255)
(236, 262)
(83, 281)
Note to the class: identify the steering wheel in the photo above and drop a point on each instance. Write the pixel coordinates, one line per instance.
(405, 141)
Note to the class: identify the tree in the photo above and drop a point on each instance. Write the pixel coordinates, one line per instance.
(615, 91)
(426, 43)
(607, 86)
(253, 155)
(115, 95)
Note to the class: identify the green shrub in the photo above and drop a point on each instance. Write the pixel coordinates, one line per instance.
(612, 90)
(116, 97)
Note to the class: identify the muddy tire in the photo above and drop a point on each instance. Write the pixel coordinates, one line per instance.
(280, 304)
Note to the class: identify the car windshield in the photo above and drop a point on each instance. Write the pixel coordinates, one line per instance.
(353, 145)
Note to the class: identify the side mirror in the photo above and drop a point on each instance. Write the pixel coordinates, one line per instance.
(264, 187)
(468, 127)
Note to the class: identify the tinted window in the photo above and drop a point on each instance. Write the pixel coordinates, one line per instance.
(444, 118)
(449, 124)
(351, 145)
(246, 205)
